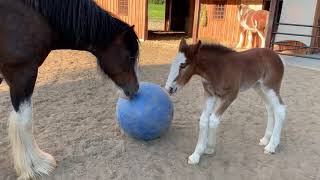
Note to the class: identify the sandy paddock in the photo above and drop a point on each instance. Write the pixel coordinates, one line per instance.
(74, 120)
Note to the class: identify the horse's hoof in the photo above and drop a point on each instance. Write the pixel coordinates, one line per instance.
(41, 167)
(209, 151)
(264, 141)
(194, 159)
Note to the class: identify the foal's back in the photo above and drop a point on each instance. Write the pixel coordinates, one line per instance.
(262, 65)
(246, 68)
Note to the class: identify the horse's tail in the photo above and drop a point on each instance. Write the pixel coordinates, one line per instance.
(1, 78)
(267, 23)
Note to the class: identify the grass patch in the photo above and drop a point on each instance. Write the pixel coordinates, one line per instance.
(156, 11)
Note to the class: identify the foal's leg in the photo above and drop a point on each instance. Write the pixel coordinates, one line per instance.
(279, 110)
(267, 135)
(29, 160)
(263, 39)
(203, 131)
(214, 121)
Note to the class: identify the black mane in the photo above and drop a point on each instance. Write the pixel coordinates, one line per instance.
(81, 22)
(217, 48)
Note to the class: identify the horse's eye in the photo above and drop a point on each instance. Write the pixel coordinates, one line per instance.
(183, 65)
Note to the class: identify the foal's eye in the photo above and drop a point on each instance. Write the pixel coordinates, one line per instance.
(183, 65)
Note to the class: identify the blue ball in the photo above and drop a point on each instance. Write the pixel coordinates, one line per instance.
(148, 115)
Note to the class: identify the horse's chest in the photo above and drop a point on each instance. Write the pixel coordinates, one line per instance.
(248, 24)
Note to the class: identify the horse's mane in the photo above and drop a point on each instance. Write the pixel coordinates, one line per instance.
(81, 22)
(216, 48)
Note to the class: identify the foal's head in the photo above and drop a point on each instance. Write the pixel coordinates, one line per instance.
(120, 60)
(183, 66)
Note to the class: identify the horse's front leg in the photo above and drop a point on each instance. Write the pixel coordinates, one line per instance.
(250, 40)
(29, 160)
(203, 131)
(241, 40)
(262, 38)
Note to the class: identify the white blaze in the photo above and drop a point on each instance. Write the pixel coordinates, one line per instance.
(174, 70)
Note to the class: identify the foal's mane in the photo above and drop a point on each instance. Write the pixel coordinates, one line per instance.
(216, 48)
(81, 22)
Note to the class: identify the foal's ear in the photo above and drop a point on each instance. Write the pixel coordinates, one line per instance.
(183, 45)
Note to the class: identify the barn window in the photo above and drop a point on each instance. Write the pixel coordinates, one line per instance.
(123, 7)
(219, 11)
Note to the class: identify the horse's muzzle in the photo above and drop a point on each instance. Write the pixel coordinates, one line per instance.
(130, 91)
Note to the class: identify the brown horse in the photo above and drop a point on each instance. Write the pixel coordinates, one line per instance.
(254, 22)
(29, 30)
(1, 78)
(224, 74)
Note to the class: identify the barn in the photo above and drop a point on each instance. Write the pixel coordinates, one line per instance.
(134, 12)
(212, 20)
(217, 21)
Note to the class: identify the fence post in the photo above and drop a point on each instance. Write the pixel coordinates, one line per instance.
(271, 22)
(196, 20)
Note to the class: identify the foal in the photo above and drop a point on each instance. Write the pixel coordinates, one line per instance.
(224, 74)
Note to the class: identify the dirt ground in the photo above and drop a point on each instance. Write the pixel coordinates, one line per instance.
(74, 120)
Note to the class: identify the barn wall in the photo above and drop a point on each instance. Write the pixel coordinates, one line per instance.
(226, 31)
(137, 14)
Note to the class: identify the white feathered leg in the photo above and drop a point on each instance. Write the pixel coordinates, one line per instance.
(29, 160)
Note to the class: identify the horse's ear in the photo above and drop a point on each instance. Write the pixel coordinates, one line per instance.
(183, 45)
(120, 38)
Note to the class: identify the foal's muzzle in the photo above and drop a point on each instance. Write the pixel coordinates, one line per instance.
(172, 90)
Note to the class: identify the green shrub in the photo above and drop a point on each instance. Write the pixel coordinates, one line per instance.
(156, 1)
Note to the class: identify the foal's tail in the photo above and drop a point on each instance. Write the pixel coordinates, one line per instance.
(274, 71)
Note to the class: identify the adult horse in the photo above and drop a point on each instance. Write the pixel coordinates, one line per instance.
(29, 30)
(224, 74)
(252, 21)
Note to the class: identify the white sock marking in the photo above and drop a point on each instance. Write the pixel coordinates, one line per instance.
(29, 160)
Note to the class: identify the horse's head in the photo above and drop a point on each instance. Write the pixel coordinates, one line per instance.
(183, 66)
(242, 9)
(119, 61)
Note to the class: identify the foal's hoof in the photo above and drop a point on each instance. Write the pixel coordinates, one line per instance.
(270, 149)
(264, 141)
(194, 159)
(209, 151)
